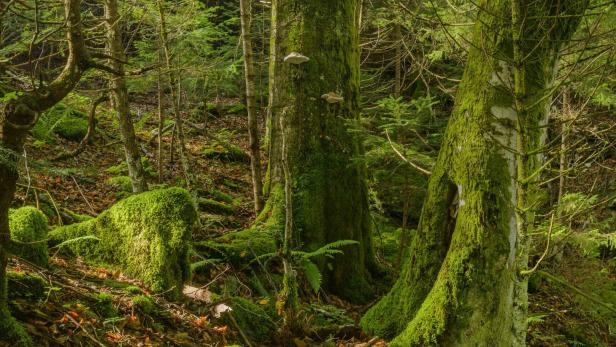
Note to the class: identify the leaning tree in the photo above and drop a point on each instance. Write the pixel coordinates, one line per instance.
(19, 114)
(464, 282)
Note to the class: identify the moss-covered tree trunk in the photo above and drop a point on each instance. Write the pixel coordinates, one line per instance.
(315, 99)
(120, 97)
(462, 283)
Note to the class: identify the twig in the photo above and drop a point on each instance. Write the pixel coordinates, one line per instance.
(237, 326)
(577, 290)
(545, 252)
(53, 202)
(83, 196)
(415, 166)
(85, 330)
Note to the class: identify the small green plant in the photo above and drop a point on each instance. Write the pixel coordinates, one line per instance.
(305, 260)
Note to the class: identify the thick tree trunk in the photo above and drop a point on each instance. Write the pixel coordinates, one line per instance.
(253, 126)
(462, 284)
(329, 190)
(120, 97)
(18, 116)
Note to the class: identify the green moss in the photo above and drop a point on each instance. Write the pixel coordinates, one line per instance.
(76, 217)
(225, 152)
(26, 285)
(144, 304)
(72, 128)
(213, 206)
(242, 246)
(104, 305)
(121, 169)
(133, 290)
(146, 235)
(121, 183)
(62, 120)
(253, 319)
(229, 183)
(12, 332)
(29, 231)
(220, 196)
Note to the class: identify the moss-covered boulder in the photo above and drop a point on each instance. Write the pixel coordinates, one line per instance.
(29, 234)
(146, 236)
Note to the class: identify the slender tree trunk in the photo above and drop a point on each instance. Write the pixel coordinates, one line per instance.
(564, 131)
(315, 99)
(251, 106)
(398, 64)
(463, 283)
(120, 97)
(178, 129)
(19, 116)
(161, 122)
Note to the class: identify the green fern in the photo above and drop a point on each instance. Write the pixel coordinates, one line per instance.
(312, 274)
(330, 249)
(308, 267)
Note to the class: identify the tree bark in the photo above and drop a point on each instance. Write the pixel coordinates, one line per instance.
(463, 282)
(329, 190)
(253, 126)
(119, 93)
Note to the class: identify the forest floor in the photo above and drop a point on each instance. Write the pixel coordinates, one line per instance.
(69, 311)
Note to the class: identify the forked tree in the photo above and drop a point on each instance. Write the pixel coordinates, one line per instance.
(464, 282)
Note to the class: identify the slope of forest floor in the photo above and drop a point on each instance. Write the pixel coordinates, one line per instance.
(69, 311)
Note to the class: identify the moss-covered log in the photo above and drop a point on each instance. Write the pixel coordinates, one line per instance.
(29, 234)
(460, 285)
(147, 236)
(314, 99)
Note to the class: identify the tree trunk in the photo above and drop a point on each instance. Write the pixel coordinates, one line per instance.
(19, 116)
(119, 93)
(175, 100)
(462, 284)
(253, 126)
(329, 190)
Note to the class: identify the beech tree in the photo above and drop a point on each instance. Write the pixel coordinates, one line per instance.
(464, 282)
(314, 89)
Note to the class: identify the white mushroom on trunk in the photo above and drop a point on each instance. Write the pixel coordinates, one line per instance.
(296, 58)
(332, 98)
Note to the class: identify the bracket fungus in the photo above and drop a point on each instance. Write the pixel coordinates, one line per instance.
(296, 58)
(332, 98)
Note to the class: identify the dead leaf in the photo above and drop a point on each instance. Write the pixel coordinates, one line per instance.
(113, 336)
(221, 329)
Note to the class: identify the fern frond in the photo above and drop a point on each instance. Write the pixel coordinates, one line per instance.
(312, 274)
(330, 249)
